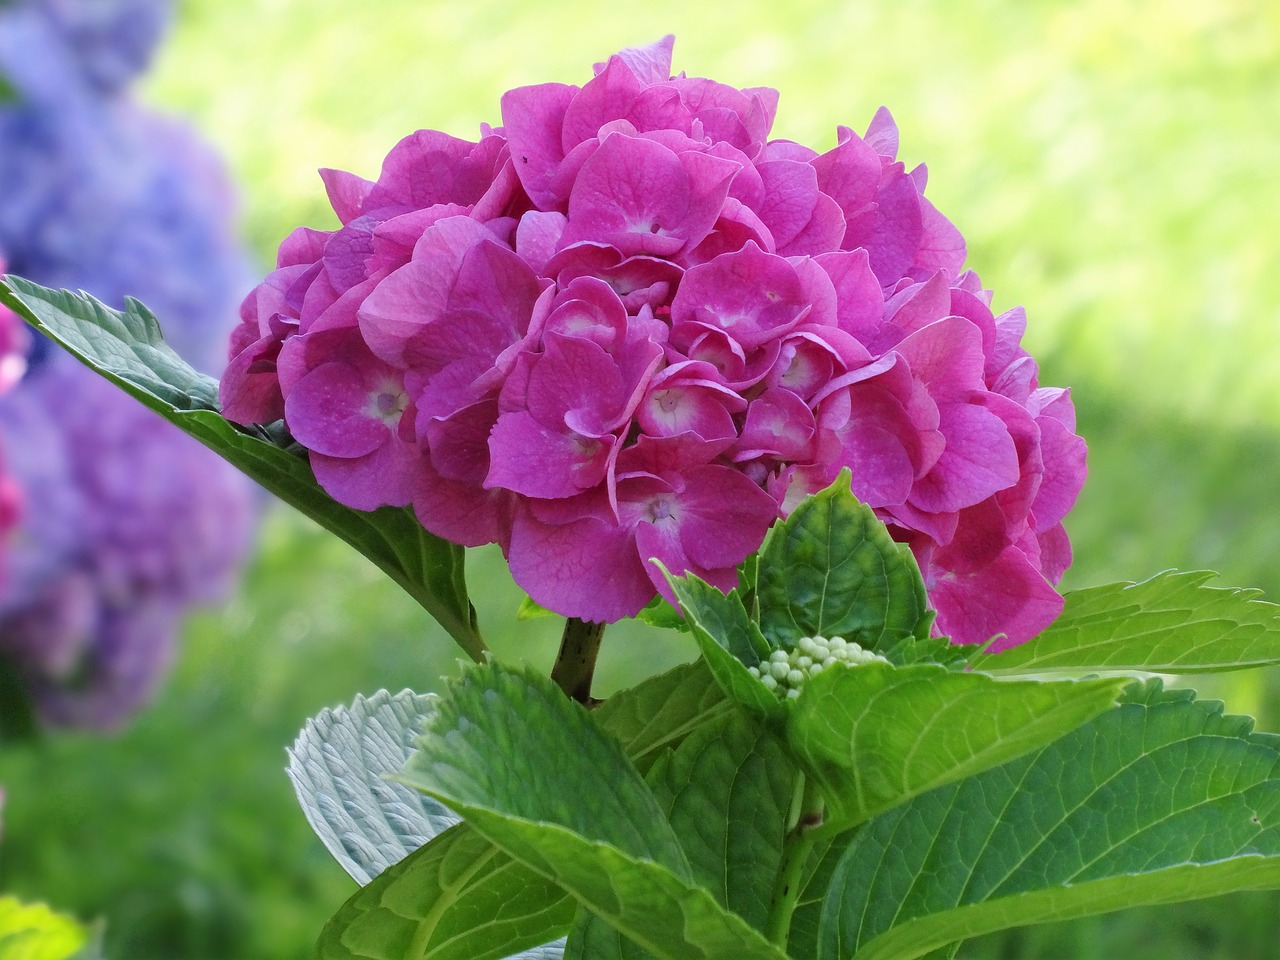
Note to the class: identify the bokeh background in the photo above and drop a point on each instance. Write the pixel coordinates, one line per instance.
(1113, 164)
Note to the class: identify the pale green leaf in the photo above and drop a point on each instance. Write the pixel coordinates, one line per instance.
(875, 735)
(1159, 800)
(34, 932)
(339, 767)
(1172, 623)
(127, 348)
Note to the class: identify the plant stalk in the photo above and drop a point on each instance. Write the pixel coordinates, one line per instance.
(575, 664)
(796, 848)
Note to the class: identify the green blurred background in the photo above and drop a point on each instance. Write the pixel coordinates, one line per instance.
(1114, 167)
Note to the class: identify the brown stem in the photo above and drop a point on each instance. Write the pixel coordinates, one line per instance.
(576, 662)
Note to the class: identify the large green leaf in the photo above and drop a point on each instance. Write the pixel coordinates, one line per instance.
(727, 790)
(1171, 623)
(1159, 800)
(457, 898)
(339, 767)
(128, 349)
(34, 932)
(875, 735)
(656, 715)
(532, 772)
(832, 570)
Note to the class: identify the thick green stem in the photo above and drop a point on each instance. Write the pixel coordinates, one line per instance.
(798, 845)
(576, 662)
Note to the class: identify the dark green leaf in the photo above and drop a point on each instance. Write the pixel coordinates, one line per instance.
(127, 349)
(875, 735)
(1159, 800)
(832, 570)
(457, 898)
(1171, 623)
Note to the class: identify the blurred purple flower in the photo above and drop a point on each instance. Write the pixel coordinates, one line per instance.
(627, 325)
(107, 43)
(124, 522)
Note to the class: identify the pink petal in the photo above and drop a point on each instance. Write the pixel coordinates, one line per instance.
(586, 568)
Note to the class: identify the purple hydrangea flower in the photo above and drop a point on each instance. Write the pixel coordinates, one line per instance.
(628, 325)
(107, 43)
(124, 523)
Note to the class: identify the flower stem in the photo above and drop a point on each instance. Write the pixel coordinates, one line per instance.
(576, 662)
(798, 845)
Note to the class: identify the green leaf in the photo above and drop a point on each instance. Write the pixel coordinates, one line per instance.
(530, 609)
(339, 765)
(509, 740)
(654, 716)
(658, 612)
(1160, 800)
(529, 770)
(729, 640)
(875, 735)
(832, 570)
(727, 790)
(34, 932)
(1171, 623)
(457, 898)
(128, 349)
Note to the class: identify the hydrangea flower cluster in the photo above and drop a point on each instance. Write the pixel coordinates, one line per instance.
(124, 522)
(103, 195)
(627, 324)
(786, 671)
(106, 43)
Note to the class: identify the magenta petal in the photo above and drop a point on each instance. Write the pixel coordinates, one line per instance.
(723, 516)
(346, 192)
(1064, 456)
(1008, 596)
(588, 568)
(979, 459)
(946, 356)
(538, 461)
(651, 64)
(333, 411)
(249, 391)
(384, 478)
(462, 513)
(532, 118)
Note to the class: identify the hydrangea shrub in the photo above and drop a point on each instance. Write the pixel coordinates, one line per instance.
(628, 324)
(649, 351)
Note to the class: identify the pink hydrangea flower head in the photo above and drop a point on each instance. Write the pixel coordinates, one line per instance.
(627, 325)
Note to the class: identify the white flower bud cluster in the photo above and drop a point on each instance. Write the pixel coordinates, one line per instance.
(786, 670)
